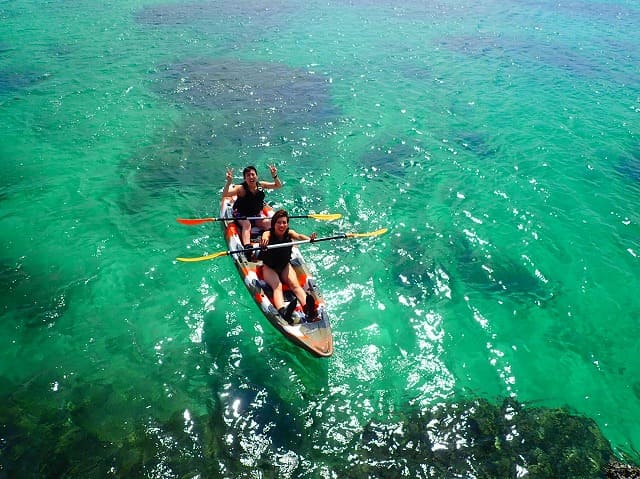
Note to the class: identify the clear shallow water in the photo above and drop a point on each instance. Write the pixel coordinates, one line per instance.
(499, 143)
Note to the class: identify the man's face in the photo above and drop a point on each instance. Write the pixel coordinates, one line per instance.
(251, 177)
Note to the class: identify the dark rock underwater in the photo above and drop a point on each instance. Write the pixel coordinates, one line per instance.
(474, 438)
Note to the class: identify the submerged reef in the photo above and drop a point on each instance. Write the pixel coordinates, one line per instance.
(482, 440)
(74, 437)
(619, 470)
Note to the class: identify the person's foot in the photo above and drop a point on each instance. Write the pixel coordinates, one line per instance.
(249, 253)
(310, 309)
(287, 312)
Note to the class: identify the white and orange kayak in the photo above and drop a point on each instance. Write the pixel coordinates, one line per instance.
(316, 336)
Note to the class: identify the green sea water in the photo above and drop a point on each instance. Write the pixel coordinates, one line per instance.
(498, 142)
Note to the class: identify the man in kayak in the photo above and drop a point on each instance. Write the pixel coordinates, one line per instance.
(278, 270)
(250, 199)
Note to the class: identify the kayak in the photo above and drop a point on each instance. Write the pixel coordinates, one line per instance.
(314, 336)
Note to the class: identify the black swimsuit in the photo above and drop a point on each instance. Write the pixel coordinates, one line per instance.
(277, 258)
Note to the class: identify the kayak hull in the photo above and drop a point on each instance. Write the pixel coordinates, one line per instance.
(315, 337)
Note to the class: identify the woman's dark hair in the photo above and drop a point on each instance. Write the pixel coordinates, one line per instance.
(276, 216)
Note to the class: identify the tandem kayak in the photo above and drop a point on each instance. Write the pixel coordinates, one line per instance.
(316, 336)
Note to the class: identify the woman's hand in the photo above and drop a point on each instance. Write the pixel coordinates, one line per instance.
(229, 175)
(274, 171)
(264, 239)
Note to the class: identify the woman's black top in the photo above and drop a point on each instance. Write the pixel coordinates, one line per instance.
(277, 258)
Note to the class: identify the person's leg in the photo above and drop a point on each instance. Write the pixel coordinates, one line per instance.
(306, 300)
(273, 280)
(245, 237)
(264, 224)
(288, 275)
(245, 231)
(292, 282)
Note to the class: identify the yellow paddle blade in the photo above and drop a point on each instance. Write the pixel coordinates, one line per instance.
(325, 217)
(379, 232)
(203, 258)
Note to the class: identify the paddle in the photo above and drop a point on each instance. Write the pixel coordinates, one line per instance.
(285, 245)
(198, 221)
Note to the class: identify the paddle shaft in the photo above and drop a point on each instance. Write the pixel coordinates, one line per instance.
(197, 221)
(287, 245)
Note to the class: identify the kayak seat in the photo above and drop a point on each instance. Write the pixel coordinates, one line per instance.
(286, 292)
(256, 232)
(262, 284)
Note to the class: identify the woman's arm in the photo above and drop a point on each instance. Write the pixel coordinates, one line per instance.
(276, 184)
(264, 239)
(299, 236)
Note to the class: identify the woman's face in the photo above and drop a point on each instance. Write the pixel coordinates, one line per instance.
(281, 225)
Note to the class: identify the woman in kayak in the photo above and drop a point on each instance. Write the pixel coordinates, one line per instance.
(250, 198)
(278, 270)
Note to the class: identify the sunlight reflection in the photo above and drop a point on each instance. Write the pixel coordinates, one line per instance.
(430, 376)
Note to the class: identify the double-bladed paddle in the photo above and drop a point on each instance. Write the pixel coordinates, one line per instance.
(285, 245)
(315, 216)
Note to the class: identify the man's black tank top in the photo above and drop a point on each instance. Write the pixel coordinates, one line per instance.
(250, 204)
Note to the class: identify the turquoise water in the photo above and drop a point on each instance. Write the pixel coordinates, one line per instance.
(497, 142)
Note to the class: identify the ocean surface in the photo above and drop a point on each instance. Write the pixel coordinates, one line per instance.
(498, 141)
